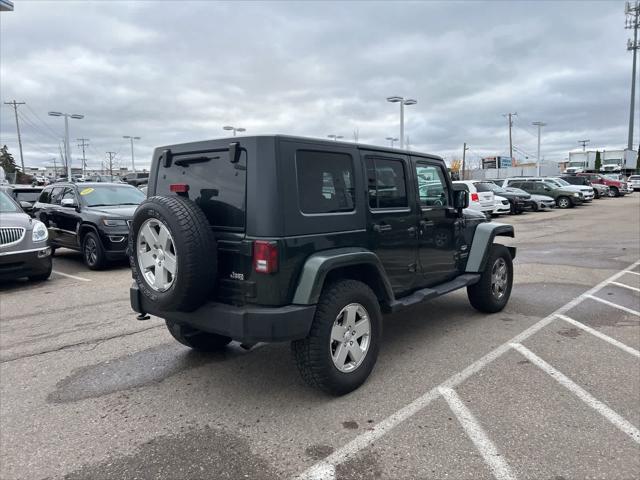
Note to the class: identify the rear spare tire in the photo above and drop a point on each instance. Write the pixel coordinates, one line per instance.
(172, 253)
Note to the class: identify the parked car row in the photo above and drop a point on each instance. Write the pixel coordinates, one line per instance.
(515, 195)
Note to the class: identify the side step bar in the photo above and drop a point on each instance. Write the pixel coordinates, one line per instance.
(425, 294)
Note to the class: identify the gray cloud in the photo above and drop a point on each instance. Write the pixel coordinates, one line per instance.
(179, 71)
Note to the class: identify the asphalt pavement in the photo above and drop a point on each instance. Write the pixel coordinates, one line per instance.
(547, 389)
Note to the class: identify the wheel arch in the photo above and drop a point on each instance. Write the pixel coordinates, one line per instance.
(353, 263)
(85, 228)
(483, 238)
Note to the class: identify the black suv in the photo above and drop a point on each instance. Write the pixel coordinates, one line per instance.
(90, 217)
(278, 238)
(518, 202)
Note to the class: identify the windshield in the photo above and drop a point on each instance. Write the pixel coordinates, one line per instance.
(107, 195)
(561, 181)
(553, 182)
(6, 204)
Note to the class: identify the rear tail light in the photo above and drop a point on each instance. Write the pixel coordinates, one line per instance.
(265, 256)
(475, 197)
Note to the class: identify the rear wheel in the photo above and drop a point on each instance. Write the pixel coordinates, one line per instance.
(492, 292)
(534, 207)
(342, 347)
(93, 251)
(564, 202)
(197, 339)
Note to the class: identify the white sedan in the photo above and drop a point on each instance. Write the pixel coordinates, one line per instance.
(501, 205)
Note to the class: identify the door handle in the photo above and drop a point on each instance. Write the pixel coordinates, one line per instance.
(412, 231)
(381, 227)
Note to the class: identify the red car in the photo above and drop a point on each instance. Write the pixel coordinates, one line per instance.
(617, 188)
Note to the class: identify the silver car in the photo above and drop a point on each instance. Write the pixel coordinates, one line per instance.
(23, 243)
(538, 202)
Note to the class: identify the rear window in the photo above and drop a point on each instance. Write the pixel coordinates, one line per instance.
(634, 177)
(387, 185)
(485, 186)
(325, 182)
(217, 185)
(27, 196)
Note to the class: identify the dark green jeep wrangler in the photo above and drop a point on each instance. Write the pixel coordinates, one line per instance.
(278, 238)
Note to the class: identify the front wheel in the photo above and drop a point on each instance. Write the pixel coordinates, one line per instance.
(342, 346)
(93, 251)
(492, 292)
(614, 192)
(564, 202)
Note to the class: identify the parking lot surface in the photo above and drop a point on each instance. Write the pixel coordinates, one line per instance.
(548, 388)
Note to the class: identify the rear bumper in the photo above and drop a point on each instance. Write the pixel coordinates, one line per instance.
(245, 324)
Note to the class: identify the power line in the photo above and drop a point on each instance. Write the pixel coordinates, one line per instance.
(84, 143)
(15, 110)
(35, 127)
(56, 134)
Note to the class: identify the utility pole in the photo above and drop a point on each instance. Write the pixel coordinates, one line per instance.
(15, 104)
(510, 115)
(464, 157)
(584, 144)
(111, 155)
(539, 125)
(632, 13)
(83, 145)
(133, 163)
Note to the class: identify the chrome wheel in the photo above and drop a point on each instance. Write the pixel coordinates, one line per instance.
(156, 255)
(563, 202)
(499, 278)
(350, 337)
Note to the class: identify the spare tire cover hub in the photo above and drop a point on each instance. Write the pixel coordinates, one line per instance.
(156, 255)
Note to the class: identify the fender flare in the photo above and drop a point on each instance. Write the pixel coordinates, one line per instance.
(317, 267)
(482, 241)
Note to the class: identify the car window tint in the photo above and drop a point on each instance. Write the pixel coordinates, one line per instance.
(432, 187)
(45, 196)
(68, 194)
(386, 183)
(56, 195)
(26, 196)
(484, 187)
(325, 182)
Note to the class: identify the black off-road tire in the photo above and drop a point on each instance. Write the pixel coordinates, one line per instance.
(480, 294)
(312, 354)
(614, 192)
(196, 252)
(197, 339)
(97, 260)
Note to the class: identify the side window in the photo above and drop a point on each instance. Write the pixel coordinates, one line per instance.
(386, 181)
(432, 186)
(325, 182)
(68, 194)
(45, 196)
(56, 195)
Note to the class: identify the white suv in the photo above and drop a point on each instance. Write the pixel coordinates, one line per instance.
(634, 182)
(480, 199)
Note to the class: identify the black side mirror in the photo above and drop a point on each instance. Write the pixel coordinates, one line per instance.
(460, 199)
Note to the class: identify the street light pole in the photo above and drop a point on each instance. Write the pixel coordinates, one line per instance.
(539, 125)
(235, 129)
(133, 162)
(335, 137)
(402, 101)
(67, 149)
(392, 140)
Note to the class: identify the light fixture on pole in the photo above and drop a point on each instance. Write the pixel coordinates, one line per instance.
(234, 129)
(539, 125)
(335, 137)
(392, 140)
(402, 101)
(133, 162)
(67, 148)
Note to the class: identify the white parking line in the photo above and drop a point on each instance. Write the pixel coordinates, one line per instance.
(600, 335)
(614, 305)
(485, 446)
(325, 469)
(635, 273)
(581, 393)
(70, 276)
(618, 284)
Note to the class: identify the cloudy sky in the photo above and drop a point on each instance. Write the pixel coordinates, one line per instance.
(171, 71)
